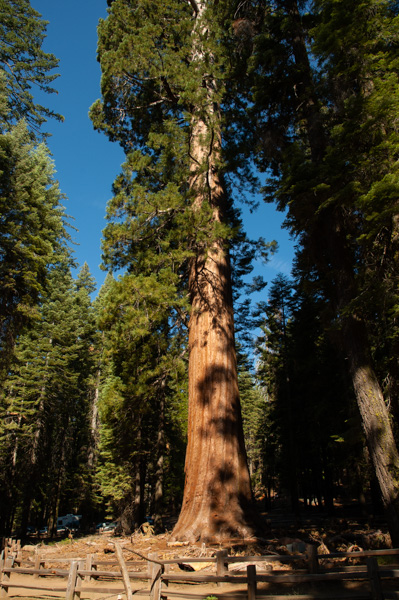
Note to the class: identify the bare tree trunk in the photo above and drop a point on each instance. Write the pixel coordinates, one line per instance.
(159, 469)
(94, 423)
(217, 493)
(376, 422)
(217, 500)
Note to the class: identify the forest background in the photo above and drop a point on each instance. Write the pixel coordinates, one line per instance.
(94, 398)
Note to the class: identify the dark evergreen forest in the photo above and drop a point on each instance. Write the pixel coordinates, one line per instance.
(136, 399)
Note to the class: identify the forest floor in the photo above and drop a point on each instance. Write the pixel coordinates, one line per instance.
(284, 534)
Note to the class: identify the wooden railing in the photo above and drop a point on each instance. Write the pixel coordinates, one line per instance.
(153, 577)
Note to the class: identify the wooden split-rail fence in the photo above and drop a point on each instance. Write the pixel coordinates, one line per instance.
(153, 578)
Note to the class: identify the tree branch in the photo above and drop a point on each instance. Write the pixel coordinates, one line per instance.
(194, 5)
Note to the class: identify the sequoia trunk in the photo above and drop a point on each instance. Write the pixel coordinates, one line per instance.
(217, 501)
(217, 493)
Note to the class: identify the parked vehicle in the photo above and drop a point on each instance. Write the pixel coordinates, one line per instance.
(30, 529)
(69, 521)
(106, 526)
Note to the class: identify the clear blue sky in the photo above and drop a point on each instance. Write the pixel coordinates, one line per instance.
(85, 161)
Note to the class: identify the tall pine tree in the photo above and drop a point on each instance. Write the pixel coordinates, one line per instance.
(45, 408)
(25, 65)
(141, 388)
(32, 232)
(32, 221)
(334, 136)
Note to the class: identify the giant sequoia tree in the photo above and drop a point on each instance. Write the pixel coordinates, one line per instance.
(164, 80)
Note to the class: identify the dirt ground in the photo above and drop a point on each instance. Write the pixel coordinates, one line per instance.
(284, 535)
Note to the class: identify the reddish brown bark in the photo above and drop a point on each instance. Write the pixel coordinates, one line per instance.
(217, 494)
(217, 501)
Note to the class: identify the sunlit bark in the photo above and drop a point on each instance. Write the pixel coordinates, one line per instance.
(217, 493)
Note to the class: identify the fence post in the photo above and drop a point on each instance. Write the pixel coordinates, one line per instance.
(166, 570)
(313, 558)
(72, 577)
(221, 564)
(18, 555)
(79, 579)
(88, 566)
(125, 574)
(374, 578)
(156, 581)
(38, 563)
(17, 551)
(5, 578)
(251, 576)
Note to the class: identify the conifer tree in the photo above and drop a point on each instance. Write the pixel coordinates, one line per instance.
(253, 403)
(32, 224)
(334, 163)
(277, 370)
(25, 65)
(50, 366)
(45, 423)
(165, 69)
(87, 365)
(142, 379)
(32, 232)
(311, 402)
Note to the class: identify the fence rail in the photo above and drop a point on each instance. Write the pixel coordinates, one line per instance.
(86, 576)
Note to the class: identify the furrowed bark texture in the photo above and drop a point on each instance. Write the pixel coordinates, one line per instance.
(373, 410)
(217, 501)
(375, 421)
(217, 492)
